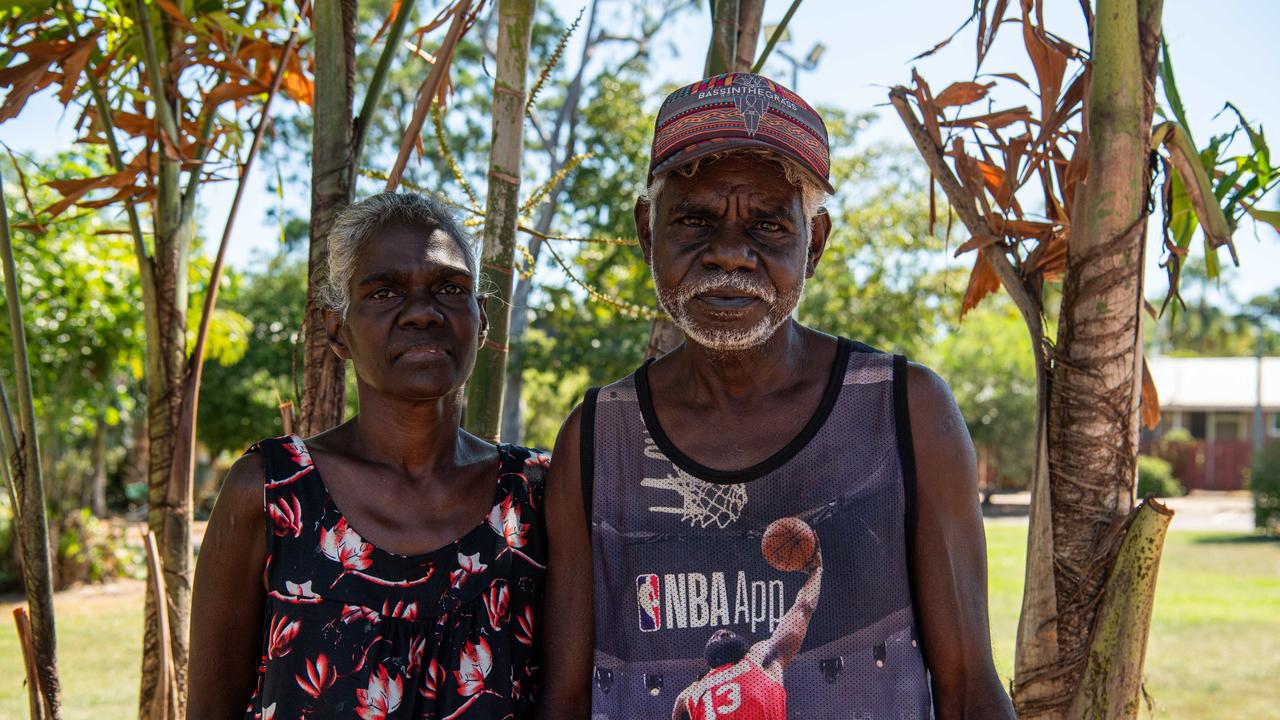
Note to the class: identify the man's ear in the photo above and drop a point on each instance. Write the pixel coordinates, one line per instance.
(333, 324)
(642, 210)
(483, 301)
(821, 230)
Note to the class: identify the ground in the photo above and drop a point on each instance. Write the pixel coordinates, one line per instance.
(1214, 649)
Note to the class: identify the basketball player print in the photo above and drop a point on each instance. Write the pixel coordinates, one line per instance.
(745, 683)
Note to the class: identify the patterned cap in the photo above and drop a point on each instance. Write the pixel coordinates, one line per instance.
(739, 110)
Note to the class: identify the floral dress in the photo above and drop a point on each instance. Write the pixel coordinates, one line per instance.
(351, 630)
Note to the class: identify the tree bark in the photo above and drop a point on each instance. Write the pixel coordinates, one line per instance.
(332, 188)
(1093, 414)
(98, 479)
(23, 450)
(484, 391)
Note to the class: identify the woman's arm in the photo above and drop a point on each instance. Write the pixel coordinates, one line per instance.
(567, 622)
(950, 558)
(228, 597)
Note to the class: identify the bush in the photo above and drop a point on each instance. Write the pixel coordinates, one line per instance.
(1264, 481)
(1155, 477)
(93, 550)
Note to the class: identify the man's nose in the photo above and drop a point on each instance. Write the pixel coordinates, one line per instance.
(730, 250)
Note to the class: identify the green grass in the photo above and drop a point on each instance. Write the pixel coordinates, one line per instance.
(1214, 650)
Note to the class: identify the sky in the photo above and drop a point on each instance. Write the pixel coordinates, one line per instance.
(1222, 50)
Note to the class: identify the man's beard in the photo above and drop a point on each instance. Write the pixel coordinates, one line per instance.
(675, 300)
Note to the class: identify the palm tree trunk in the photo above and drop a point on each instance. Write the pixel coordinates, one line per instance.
(332, 188)
(484, 392)
(22, 447)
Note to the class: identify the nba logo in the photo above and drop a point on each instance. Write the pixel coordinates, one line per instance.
(648, 602)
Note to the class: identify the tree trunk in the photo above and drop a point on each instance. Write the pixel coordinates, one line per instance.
(98, 477)
(23, 450)
(168, 476)
(723, 51)
(332, 187)
(484, 392)
(1093, 412)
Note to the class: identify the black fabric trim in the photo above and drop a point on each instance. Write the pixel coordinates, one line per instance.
(587, 449)
(906, 449)
(731, 477)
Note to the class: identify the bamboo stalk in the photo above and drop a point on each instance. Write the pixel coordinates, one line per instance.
(166, 695)
(29, 663)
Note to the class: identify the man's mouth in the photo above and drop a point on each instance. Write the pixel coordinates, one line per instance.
(727, 301)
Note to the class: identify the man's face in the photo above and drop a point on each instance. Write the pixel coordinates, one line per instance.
(729, 250)
(724, 648)
(414, 321)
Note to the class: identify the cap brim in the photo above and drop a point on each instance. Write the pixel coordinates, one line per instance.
(719, 145)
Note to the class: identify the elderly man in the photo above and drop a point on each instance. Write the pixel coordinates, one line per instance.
(718, 479)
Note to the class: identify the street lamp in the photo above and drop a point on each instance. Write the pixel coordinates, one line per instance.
(808, 64)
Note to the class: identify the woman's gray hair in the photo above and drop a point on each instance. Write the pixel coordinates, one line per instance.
(362, 220)
(812, 195)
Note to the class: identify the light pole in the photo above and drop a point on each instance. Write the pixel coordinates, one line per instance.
(809, 63)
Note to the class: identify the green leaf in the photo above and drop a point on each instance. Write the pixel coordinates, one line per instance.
(1171, 89)
(1270, 217)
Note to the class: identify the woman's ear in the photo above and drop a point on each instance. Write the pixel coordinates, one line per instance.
(333, 324)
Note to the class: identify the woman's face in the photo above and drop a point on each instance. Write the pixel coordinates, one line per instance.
(414, 321)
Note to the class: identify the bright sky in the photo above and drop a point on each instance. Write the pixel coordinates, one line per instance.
(868, 48)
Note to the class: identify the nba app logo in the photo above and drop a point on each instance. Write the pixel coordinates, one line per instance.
(649, 604)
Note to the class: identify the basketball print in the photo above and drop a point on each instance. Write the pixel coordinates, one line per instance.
(788, 544)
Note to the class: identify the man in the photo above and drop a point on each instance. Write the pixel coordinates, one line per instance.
(746, 684)
(685, 463)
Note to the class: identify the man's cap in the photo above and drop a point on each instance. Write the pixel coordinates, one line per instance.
(739, 110)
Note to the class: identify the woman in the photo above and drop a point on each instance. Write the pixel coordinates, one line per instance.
(395, 566)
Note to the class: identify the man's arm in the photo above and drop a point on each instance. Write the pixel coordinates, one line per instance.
(567, 623)
(681, 710)
(228, 597)
(949, 563)
(785, 642)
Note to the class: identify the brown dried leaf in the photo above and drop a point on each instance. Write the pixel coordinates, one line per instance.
(991, 121)
(1150, 402)
(233, 91)
(962, 93)
(1049, 62)
(391, 17)
(982, 282)
(73, 65)
(172, 11)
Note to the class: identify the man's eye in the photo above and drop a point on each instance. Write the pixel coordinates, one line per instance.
(693, 222)
(770, 227)
(382, 293)
(453, 289)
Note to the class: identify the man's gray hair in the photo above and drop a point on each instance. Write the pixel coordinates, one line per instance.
(812, 195)
(362, 220)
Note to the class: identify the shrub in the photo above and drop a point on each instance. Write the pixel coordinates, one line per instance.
(1155, 477)
(93, 550)
(1264, 481)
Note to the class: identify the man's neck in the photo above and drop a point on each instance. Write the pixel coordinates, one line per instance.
(729, 377)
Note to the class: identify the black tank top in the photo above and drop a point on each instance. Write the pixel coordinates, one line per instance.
(351, 630)
(678, 555)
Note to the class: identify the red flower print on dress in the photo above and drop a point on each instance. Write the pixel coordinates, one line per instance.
(417, 647)
(504, 518)
(468, 565)
(282, 634)
(474, 665)
(320, 677)
(525, 634)
(352, 613)
(382, 696)
(431, 680)
(344, 545)
(496, 602)
(269, 712)
(298, 451)
(401, 610)
(287, 515)
(298, 594)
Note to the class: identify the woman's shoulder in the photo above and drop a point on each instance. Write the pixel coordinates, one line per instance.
(532, 461)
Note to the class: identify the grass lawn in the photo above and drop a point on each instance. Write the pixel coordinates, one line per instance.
(1214, 650)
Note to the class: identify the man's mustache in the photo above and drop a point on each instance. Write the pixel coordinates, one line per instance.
(738, 282)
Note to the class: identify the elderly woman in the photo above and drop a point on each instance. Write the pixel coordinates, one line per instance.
(395, 566)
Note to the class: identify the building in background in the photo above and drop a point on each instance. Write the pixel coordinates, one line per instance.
(1217, 401)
